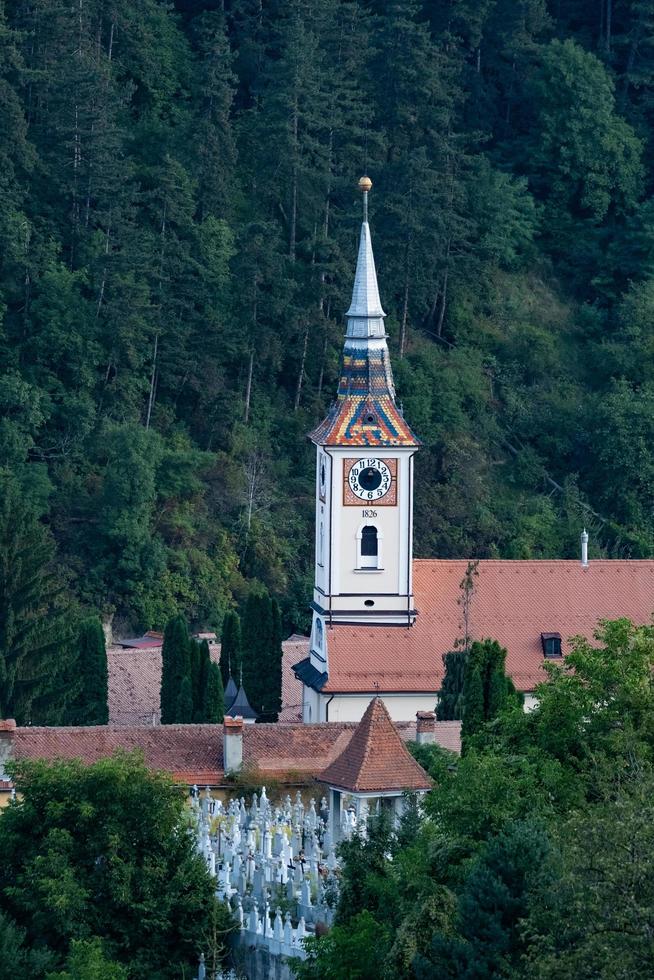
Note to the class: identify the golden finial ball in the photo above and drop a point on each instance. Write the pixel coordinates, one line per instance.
(365, 184)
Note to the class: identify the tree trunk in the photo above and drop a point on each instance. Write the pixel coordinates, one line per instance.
(405, 302)
(300, 377)
(293, 229)
(153, 378)
(248, 388)
(441, 312)
(446, 273)
(322, 365)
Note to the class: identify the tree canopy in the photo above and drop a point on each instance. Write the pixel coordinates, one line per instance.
(533, 853)
(102, 877)
(178, 225)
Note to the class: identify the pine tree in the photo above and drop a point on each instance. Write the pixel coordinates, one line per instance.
(37, 669)
(231, 648)
(175, 669)
(213, 709)
(92, 704)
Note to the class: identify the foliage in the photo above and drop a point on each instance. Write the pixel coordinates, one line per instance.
(213, 702)
(37, 670)
(177, 213)
(91, 707)
(262, 655)
(450, 696)
(17, 959)
(86, 961)
(104, 851)
(230, 647)
(532, 854)
(486, 689)
(176, 684)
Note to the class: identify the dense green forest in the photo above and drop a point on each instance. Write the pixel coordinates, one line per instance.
(532, 857)
(178, 229)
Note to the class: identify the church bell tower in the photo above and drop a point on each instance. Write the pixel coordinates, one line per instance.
(364, 479)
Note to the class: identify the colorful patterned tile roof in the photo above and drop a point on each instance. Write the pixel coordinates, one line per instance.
(364, 420)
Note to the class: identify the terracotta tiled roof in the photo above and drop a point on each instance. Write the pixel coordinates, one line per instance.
(294, 649)
(513, 602)
(375, 759)
(194, 753)
(135, 684)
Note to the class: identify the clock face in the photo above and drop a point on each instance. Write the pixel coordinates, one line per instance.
(369, 479)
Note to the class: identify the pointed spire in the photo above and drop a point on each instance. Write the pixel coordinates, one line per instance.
(365, 294)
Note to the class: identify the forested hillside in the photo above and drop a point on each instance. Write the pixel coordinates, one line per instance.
(178, 229)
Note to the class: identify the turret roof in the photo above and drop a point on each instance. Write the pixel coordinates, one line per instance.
(365, 413)
(376, 759)
(241, 706)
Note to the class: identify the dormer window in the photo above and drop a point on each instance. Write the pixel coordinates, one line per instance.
(551, 643)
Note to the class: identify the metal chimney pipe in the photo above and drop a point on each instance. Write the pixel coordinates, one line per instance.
(584, 548)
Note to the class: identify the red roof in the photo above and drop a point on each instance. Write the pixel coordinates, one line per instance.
(375, 759)
(294, 649)
(135, 683)
(194, 753)
(513, 602)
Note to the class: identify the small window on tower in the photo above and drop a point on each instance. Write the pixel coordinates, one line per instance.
(369, 544)
(551, 643)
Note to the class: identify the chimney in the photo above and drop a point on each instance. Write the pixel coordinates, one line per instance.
(7, 732)
(232, 745)
(584, 548)
(425, 727)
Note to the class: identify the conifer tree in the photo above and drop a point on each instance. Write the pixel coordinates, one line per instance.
(37, 669)
(230, 648)
(175, 669)
(450, 696)
(184, 702)
(473, 704)
(257, 645)
(195, 660)
(213, 709)
(273, 703)
(92, 704)
(486, 689)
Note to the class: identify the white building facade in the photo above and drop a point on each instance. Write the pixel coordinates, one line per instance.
(364, 496)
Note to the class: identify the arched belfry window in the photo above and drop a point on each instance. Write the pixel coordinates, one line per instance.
(369, 543)
(369, 547)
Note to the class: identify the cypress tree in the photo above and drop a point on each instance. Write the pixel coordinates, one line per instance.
(257, 646)
(92, 706)
(473, 704)
(195, 657)
(213, 709)
(450, 696)
(184, 702)
(231, 648)
(273, 702)
(175, 668)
